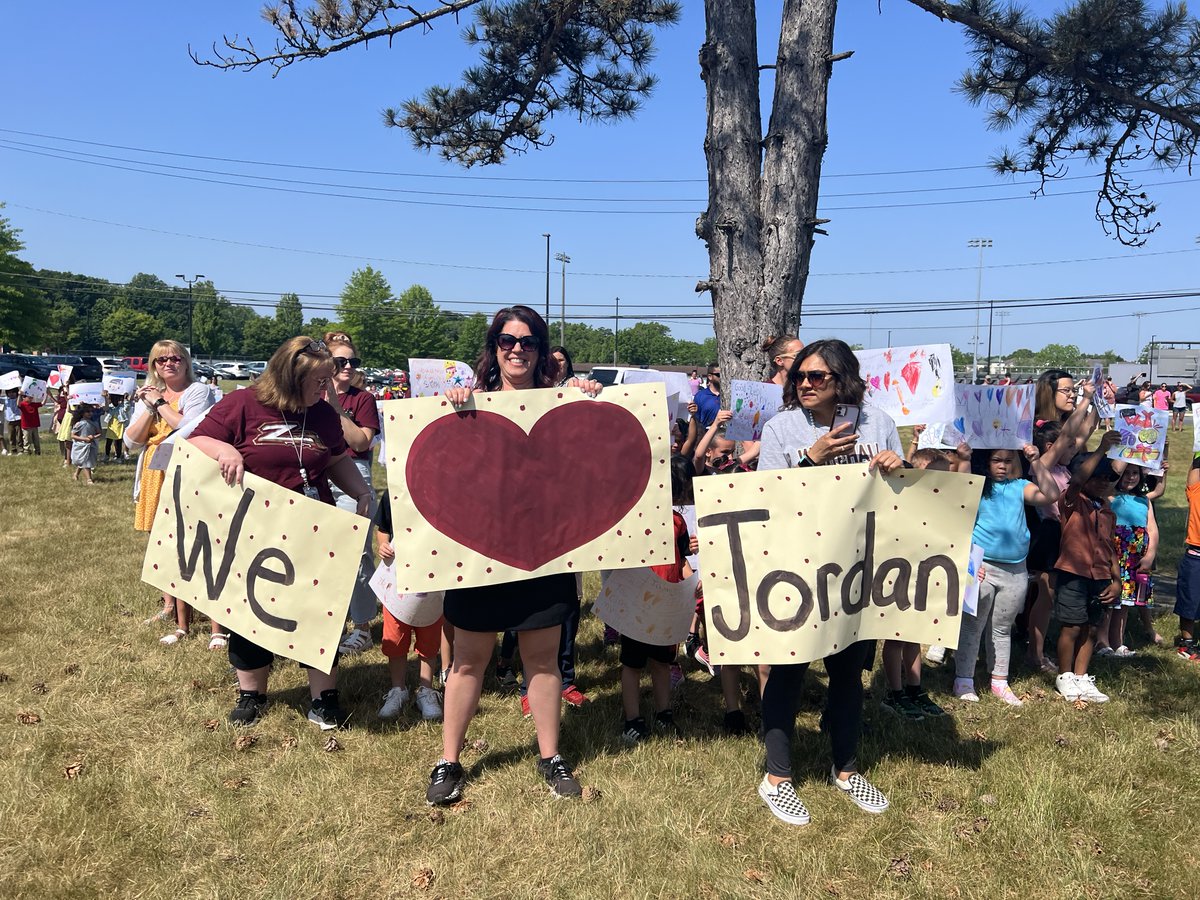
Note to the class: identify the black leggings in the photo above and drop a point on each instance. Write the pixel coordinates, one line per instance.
(843, 708)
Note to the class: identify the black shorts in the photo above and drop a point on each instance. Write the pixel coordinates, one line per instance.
(1043, 551)
(246, 656)
(635, 654)
(1077, 599)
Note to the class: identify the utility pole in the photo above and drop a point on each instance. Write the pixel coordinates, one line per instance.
(547, 237)
(1002, 315)
(562, 324)
(191, 307)
(1137, 350)
(616, 327)
(982, 244)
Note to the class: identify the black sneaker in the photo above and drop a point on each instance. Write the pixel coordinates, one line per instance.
(445, 783)
(250, 706)
(635, 730)
(327, 713)
(735, 723)
(506, 677)
(664, 724)
(924, 703)
(558, 775)
(900, 704)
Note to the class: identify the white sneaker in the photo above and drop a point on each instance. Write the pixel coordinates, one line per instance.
(1067, 685)
(781, 799)
(1088, 690)
(935, 655)
(865, 795)
(429, 702)
(1124, 652)
(393, 702)
(356, 642)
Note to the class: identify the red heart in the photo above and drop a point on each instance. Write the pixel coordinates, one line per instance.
(525, 499)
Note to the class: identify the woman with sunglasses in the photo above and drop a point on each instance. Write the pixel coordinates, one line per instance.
(515, 357)
(823, 376)
(282, 429)
(167, 407)
(360, 423)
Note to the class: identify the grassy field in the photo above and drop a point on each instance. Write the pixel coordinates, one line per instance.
(122, 778)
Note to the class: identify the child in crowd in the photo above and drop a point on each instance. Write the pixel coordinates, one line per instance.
(64, 419)
(397, 636)
(1043, 553)
(1136, 543)
(11, 438)
(115, 418)
(31, 423)
(1086, 572)
(1002, 531)
(902, 659)
(85, 431)
(1187, 585)
(635, 655)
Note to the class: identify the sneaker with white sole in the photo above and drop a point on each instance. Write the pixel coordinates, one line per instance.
(964, 689)
(865, 795)
(783, 802)
(357, 641)
(446, 783)
(1067, 686)
(429, 702)
(394, 702)
(1088, 690)
(559, 777)
(1124, 652)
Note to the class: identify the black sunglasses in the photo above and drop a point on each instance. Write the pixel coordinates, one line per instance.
(342, 362)
(317, 347)
(506, 341)
(816, 377)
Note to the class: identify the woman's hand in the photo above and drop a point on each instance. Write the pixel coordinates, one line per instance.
(587, 385)
(386, 551)
(458, 396)
(231, 463)
(887, 462)
(834, 442)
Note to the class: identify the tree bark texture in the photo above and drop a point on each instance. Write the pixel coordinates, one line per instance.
(762, 189)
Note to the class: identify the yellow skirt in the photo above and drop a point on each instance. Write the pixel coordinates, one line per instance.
(151, 487)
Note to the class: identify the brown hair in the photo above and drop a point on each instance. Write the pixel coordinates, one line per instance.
(928, 458)
(167, 348)
(281, 384)
(1045, 407)
(774, 346)
(487, 368)
(848, 384)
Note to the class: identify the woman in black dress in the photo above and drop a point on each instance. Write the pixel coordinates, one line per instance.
(515, 357)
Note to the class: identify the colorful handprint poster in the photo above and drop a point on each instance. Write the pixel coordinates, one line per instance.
(753, 404)
(1143, 436)
(994, 417)
(910, 384)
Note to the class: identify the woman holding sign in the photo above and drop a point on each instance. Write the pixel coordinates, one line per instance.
(516, 357)
(282, 429)
(167, 407)
(823, 423)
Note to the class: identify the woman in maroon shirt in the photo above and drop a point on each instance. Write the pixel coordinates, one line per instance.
(282, 429)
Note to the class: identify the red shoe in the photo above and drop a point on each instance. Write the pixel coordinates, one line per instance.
(525, 710)
(574, 696)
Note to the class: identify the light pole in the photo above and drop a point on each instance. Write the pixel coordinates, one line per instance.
(982, 244)
(616, 327)
(562, 325)
(190, 282)
(547, 237)
(1137, 350)
(1002, 315)
(870, 327)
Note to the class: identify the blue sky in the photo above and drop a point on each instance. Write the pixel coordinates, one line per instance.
(119, 74)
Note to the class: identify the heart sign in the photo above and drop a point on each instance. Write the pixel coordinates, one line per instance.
(519, 484)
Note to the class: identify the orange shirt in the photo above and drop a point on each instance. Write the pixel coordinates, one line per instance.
(1193, 529)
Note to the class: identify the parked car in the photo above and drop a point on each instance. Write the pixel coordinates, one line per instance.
(28, 366)
(83, 368)
(234, 371)
(256, 368)
(114, 364)
(204, 370)
(136, 364)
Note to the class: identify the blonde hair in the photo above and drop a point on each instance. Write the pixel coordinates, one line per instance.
(168, 348)
(357, 379)
(281, 384)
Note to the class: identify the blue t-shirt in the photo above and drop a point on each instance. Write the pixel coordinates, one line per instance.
(1132, 512)
(708, 405)
(1000, 526)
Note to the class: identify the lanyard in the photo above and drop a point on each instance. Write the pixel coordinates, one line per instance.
(298, 446)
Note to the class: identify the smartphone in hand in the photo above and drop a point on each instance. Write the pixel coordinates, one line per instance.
(846, 413)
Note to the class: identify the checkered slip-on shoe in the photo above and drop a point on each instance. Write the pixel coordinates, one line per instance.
(866, 796)
(781, 799)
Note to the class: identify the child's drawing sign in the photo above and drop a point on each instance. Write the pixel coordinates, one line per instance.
(1143, 436)
(910, 384)
(34, 388)
(269, 563)
(417, 610)
(800, 563)
(526, 483)
(994, 417)
(10, 380)
(433, 377)
(59, 377)
(640, 605)
(754, 404)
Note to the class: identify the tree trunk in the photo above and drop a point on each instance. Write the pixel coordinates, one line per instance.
(731, 226)
(762, 211)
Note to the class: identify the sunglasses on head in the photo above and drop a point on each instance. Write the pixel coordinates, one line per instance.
(342, 362)
(506, 341)
(815, 377)
(315, 347)
(174, 360)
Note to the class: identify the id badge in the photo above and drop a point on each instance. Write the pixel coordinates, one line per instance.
(311, 492)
